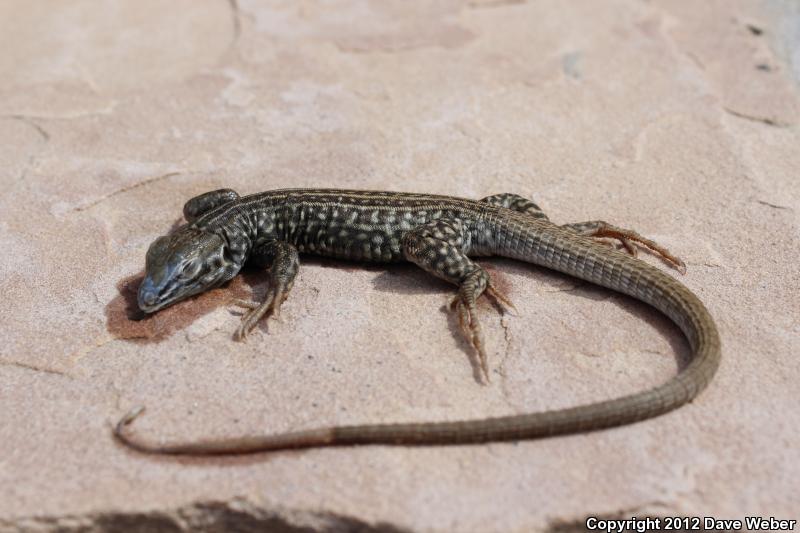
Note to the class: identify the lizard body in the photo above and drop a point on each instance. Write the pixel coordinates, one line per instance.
(440, 234)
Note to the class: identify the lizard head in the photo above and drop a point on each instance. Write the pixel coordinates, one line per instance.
(183, 264)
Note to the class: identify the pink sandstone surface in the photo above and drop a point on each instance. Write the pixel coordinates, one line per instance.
(676, 118)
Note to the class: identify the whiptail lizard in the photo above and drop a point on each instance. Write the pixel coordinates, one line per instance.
(439, 234)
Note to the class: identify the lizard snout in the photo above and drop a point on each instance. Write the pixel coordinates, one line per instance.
(148, 296)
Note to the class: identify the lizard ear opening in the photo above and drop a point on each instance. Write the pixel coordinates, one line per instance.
(227, 255)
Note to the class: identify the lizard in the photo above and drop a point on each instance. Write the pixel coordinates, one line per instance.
(440, 234)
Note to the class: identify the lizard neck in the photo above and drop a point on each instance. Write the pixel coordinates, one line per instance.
(239, 234)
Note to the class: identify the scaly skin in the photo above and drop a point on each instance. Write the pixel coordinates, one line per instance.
(440, 234)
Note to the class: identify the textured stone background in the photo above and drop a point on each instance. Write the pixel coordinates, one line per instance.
(677, 118)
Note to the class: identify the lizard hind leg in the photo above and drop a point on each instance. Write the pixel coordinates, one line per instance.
(283, 261)
(628, 238)
(438, 247)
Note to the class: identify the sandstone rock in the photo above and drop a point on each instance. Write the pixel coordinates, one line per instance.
(678, 119)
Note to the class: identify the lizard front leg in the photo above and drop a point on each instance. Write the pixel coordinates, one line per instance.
(439, 247)
(203, 203)
(283, 262)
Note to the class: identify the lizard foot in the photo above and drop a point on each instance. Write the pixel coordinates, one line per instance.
(500, 298)
(256, 311)
(629, 239)
(468, 321)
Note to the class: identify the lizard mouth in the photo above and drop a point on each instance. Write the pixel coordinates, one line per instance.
(149, 303)
(150, 299)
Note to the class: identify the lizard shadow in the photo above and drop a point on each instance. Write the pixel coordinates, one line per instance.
(415, 281)
(408, 279)
(559, 282)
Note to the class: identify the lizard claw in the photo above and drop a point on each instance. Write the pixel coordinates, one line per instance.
(255, 312)
(247, 304)
(629, 239)
(468, 321)
(492, 291)
(270, 307)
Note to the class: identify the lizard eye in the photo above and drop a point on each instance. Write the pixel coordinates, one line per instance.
(189, 269)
